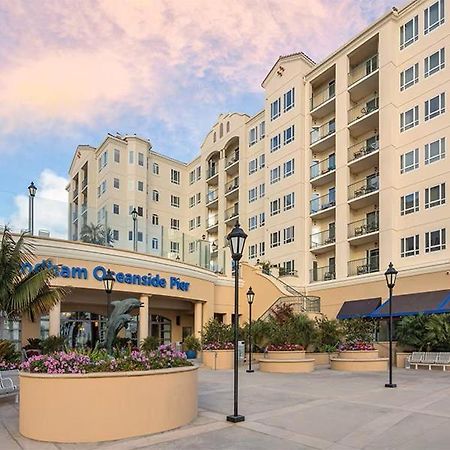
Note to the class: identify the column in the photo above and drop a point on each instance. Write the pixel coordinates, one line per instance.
(30, 329)
(143, 317)
(55, 320)
(198, 319)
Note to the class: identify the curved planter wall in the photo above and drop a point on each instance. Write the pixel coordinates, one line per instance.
(106, 406)
(218, 359)
(359, 354)
(286, 365)
(321, 358)
(286, 355)
(359, 361)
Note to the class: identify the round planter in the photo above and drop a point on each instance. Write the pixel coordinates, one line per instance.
(106, 406)
(358, 354)
(359, 365)
(286, 365)
(218, 359)
(299, 354)
(321, 358)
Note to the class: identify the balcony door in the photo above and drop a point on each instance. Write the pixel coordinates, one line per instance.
(373, 256)
(372, 221)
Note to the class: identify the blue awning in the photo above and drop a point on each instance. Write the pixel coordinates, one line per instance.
(352, 309)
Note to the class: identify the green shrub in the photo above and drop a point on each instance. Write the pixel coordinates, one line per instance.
(192, 343)
(53, 344)
(328, 334)
(122, 343)
(33, 344)
(359, 330)
(8, 352)
(217, 335)
(150, 344)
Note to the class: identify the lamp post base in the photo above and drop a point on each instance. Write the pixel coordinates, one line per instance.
(390, 385)
(236, 419)
(249, 370)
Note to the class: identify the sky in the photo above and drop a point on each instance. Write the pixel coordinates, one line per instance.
(73, 70)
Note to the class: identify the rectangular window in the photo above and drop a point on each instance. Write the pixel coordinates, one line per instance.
(140, 236)
(409, 77)
(252, 136)
(275, 109)
(155, 244)
(140, 211)
(435, 240)
(409, 119)
(289, 100)
(409, 161)
(103, 160)
(192, 201)
(262, 248)
(116, 183)
(191, 176)
(435, 106)
(435, 151)
(288, 168)
(116, 209)
(275, 207)
(252, 194)
(191, 224)
(409, 203)
(409, 246)
(434, 63)
(198, 173)
(288, 235)
(275, 239)
(141, 159)
(252, 166)
(155, 219)
(275, 175)
(435, 196)
(131, 157)
(103, 186)
(275, 143)
(433, 16)
(174, 224)
(289, 201)
(262, 190)
(262, 161)
(116, 155)
(262, 219)
(116, 235)
(140, 186)
(262, 129)
(252, 251)
(409, 33)
(155, 196)
(192, 247)
(252, 223)
(288, 135)
(174, 247)
(175, 201)
(198, 221)
(174, 176)
(198, 197)
(155, 169)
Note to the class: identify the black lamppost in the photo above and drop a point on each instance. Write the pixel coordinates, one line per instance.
(108, 283)
(32, 193)
(250, 298)
(236, 238)
(391, 276)
(134, 215)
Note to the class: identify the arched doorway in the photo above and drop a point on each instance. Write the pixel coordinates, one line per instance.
(161, 328)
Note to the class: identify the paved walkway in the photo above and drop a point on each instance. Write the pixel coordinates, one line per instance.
(321, 410)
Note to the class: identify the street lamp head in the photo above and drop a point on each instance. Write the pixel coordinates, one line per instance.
(108, 281)
(391, 276)
(134, 214)
(237, 238)
(250, 295)
(32, 189)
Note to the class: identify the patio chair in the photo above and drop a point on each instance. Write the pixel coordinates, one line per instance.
(7, 387)
(414, 359)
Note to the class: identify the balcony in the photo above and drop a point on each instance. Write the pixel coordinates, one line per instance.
(322, 241)
(322, 172)
(363, 266)
(212, 175)
(74, 215)
(75, 192)
(322, 101)
(232, 188)
(364, 154)
(212, 222)
(84, 208)
(364, 230)
(362, 192)
(323, 206)
(84, 183)
(323, 137)
(363, 78)
(212, 199)
(231, 213)
(363, 117)
(326, 273)
(232, 163)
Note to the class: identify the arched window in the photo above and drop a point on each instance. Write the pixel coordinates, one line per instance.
(155, 195)
(228, 126)
(214, 137)
(221, 130)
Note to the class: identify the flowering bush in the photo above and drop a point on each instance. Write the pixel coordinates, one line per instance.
(9, 365)
(99, 361)
(356, 346)
(285, 348)
(218, 346)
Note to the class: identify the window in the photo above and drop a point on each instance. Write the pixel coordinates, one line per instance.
(141, 159)
(174, 247)
(155, 169)
(174, 224)
(140, 211)
(155, 244)
(252, 194)
(174, 176)
(140, 236)
(116, 209)
(192, 201)
(214, 137)
(409, 77)
(252, 136)
(435, 151)
(252, 251)
(130, 235)
(198, 173)
(131, 157)
(191, 224)
(275, 240)
(275, 109)
(288, 135)
(116, 235)
(155, 219)
(409, 161)
(198, 221)
(116, 155)
(409, 203)
(434, 62)
(252, 222)
(409, 33)
(252, 166)
(140, 186)
(191, 176)
(262, 248)
(435, 106)
(409, 119)
(262, 190)
(275, 143)
(116, 183)
(262, 219)
(289, 201)
(103, 160)
(275, 175)
(288, 235)
(289, 100)
(262, 129)
(435, 240)
(288, 168)
(192, 247)
(103, 186)
(435, 196)
(433, 16)
(262, 161)
(275, 207)
(409, 246)
(175, 201)
(155, 195)
(198, 197)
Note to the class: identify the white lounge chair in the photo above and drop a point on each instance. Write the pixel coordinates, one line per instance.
(7, 387)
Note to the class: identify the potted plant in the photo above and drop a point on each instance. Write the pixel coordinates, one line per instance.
(326, 340)
(217, 345)
(191, 346)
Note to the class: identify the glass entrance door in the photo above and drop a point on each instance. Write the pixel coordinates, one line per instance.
(161, 328)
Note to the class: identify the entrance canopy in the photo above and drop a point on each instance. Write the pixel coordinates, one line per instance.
(358, 308)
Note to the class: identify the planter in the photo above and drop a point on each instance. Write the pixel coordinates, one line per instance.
(191, 354)
(359, 354)
(359, 365)
(400, 358)
(106, 406)
(218, 359)
(286, 365)
(321, 358)
(298, 354)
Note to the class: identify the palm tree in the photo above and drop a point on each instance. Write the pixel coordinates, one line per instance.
(20, 292)
(97, 234)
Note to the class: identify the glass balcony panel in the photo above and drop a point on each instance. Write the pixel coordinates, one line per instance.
(323, 202)
(232, 212)
(232, 185)
(363, 148)
(323, 238)
(363, 70)
(363, 187)
(326, 273)
(322, 167)
(322, 95)
(369, 224)
(364, 265)
(364, 107)
(321, 132)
